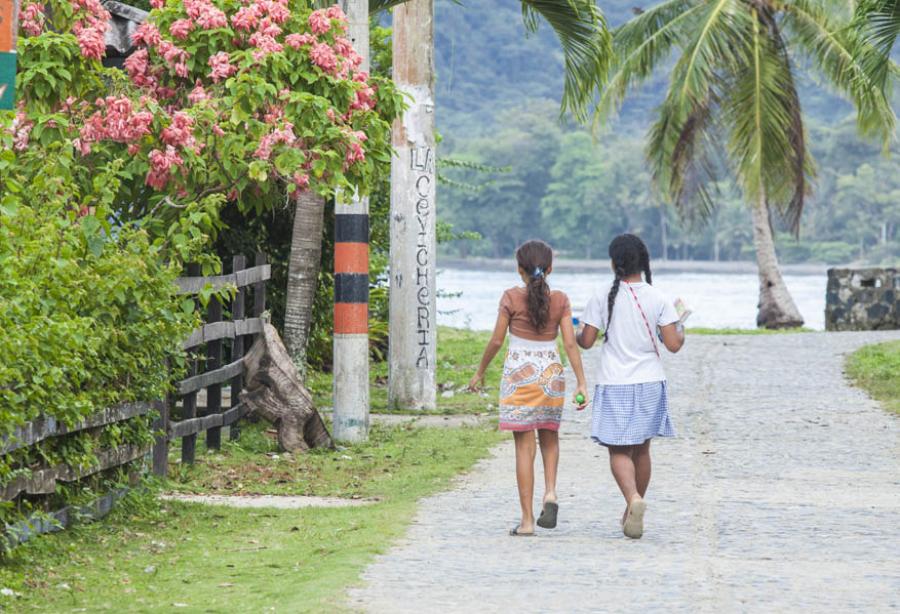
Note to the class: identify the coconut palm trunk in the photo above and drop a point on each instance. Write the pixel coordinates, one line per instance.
(303, 275)
(776, 306)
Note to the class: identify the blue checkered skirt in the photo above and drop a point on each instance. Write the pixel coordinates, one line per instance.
(630, 414)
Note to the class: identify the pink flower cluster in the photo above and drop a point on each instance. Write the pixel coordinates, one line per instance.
(364, 97)
(296, 40)
(324, 57)
(268, 142)
(198, 94)
(31, 19)
(21, 129)
(115, 120)
(222, 68)
(355, 151)
(320, 21)
(161, 165)
(207, 15)
(180, 133)
(90, 27)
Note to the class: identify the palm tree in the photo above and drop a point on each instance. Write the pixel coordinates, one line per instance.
(732, 104)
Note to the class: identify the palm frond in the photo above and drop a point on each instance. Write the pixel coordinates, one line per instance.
(682, 144)
(881, 22)
(767, 144)
(640, 45)
(586, 43)
(849, 62)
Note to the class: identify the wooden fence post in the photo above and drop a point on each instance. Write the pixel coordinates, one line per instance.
(238, 263)
(259, 290)
(189, 401)
(214, 391)
(161, 446)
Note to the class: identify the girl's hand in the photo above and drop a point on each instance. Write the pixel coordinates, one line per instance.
(476, 383)
(582, 390)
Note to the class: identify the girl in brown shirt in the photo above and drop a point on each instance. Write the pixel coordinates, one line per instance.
(533, 388)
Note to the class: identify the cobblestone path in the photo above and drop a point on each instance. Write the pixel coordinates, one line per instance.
(781, 493)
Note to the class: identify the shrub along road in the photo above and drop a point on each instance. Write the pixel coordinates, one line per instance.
(780, 494)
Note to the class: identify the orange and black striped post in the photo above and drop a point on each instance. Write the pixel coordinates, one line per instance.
(351, 284)
(351, 321)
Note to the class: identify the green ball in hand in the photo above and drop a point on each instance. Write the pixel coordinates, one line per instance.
(579, 398)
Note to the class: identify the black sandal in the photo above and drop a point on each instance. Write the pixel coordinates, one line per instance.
(547, 519)
(515, 533)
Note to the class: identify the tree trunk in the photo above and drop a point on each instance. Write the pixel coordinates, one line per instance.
(664, 231)
(413, 331)
(776, 307)
(351, 278)
(273, 390)
(303, 275)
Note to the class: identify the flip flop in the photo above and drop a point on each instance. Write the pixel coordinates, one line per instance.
(634, 520)
(547, 519)
(515, 533)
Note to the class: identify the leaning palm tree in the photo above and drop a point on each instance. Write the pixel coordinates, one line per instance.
(732, 105)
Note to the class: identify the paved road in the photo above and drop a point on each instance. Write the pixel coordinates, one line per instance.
(782, 493)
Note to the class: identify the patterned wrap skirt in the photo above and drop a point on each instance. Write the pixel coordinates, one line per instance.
(533, 389)
(630, 414)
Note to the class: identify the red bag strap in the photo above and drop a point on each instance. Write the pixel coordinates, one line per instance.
(646, 321)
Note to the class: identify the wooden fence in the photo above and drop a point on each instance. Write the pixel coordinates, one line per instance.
(191, 419)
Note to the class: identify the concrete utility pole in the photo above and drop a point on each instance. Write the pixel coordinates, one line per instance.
(413, 330)
(351, 283)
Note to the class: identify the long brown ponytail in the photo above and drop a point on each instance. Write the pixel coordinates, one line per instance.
(535, 258)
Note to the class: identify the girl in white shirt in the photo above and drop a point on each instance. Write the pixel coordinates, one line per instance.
(631, 403)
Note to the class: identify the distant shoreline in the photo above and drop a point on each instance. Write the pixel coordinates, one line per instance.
(572, 265)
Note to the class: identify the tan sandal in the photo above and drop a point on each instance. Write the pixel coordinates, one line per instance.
(633, 526)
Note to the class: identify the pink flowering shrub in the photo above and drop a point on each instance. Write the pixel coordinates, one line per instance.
(241, 99)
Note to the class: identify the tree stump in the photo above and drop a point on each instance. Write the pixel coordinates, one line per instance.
(273, 390)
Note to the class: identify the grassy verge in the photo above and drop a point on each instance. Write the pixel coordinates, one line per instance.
(156, 556)
(876, 369)
(459, 352)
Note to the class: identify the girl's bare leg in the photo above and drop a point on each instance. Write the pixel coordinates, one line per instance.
(641, 458)
(550, 454)
(525, 451)
(622, 465)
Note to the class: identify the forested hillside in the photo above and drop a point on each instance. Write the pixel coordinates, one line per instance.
(565, 187)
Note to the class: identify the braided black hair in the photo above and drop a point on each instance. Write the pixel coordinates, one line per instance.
(629, 255)
(535, 258)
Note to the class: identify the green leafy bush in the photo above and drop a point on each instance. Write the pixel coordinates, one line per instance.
(89, 318)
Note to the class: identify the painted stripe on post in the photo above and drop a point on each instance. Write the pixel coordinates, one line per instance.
(351, 228)
(351, 288)
(351, 258)
(351, 319)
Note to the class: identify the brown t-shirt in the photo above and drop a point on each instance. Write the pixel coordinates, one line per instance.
(514, 304)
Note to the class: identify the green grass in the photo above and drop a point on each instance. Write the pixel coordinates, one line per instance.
(876, 369)
(747, 331)
(149, 556)
(459, 353)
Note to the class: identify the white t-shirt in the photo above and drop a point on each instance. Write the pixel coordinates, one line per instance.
(628, 357)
